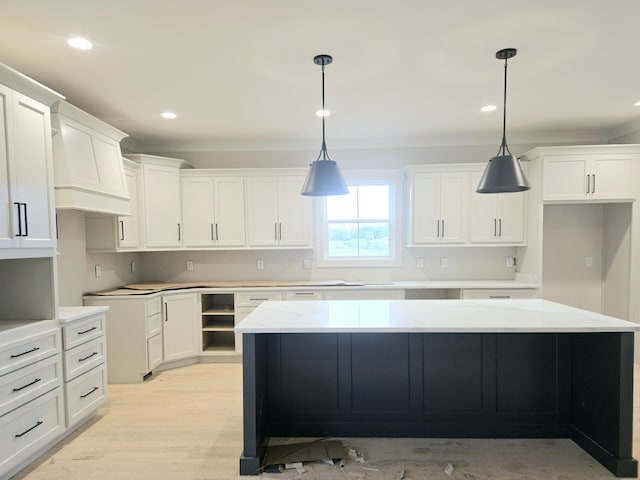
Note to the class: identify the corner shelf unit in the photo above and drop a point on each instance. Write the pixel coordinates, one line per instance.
(218, 320)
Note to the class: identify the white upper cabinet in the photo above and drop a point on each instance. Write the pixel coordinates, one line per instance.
(439, 207)
(89, 174)
(588, 176)
(159, 201)
(26, 174)
(277, 214)
(108, 233)
(212, 210)
(496, 218)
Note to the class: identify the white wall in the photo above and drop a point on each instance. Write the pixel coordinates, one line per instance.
(76, 268)
(572, 233)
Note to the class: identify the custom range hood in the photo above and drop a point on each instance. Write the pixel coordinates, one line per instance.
(87, 163)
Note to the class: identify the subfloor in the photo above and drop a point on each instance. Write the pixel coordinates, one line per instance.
(186, 424)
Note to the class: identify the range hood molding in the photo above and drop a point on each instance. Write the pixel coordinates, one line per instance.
(87, 163)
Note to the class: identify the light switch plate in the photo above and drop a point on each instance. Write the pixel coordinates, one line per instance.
(306, 263)
(444, 262)
(419, 262)
(260, 264)
(98, 270)
(189, 265)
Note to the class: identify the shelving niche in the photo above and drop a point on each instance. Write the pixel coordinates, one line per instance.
(218, 319)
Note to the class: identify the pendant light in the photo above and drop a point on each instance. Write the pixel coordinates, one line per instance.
(503, 173)
(324, 177)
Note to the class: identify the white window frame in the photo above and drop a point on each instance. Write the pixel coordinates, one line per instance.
(392, 178)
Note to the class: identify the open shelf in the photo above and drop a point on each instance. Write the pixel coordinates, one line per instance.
(218, 320)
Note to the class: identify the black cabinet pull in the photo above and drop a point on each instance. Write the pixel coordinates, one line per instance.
(495, 229)
(279, 231)
(212, 237)
(89, 393)
(19, 234)
(27, 385)
(438, 232)
(25, 353)
(178, 232)
(88, 357)
(593, 187)
(87, 331)
(442, 228)
(217, 232)
(166, 312)
(275, 231)
(500, 227)
(121, 229)
(38, 423)
(588, 182)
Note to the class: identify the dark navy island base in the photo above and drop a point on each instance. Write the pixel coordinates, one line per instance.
(456, 385)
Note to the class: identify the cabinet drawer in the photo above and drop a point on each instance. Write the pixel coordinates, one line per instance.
(256, 298)
(364, 295)
(25, 384)
(80, 359)
(30, 427)
(154, 325)
(154, 351)
(85, 394)
(499, 293)
(153, 306)
(79, 332)
(304, 295)
(29, 350)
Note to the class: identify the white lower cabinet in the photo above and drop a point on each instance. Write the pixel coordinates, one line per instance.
(31, 396)
(134, 336)
(179, 326)
(487, 293)
(29, 428)
(386, 294)
(85, 375)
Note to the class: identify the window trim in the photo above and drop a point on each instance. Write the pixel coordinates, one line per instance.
(392, 178)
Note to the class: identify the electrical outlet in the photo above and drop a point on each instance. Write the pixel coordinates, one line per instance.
(98, 270)
(588, 261)
(510, 262)
(419, 262)
(260, 264)
(189, 265)
(306, 263)
(444, 262)
(133, 266)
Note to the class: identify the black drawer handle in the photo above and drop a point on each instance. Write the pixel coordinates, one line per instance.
(27, 385)
(88, 357)
(258, 299)
(87, 394)
(87, 331)
(25, 353)
(38, 423)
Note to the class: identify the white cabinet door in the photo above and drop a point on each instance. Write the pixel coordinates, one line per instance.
(484, 214)
(262, 211)
(439, 207)
(228, 204)
(511, 217)
(179, 326)
(128, 226)
(425, 208)
(496, 218)
(32, 162)
(197, 211)
(612, 177)
(294, 213)
(565, 178)
(453, 205)
(7, 209)
(162, 206)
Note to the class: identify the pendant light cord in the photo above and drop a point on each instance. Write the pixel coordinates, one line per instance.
(323, 149)
(503, 145)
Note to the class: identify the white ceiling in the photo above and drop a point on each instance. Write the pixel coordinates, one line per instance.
(240, 74)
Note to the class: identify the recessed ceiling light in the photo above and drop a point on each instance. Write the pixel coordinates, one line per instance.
(323, 113)
(80, 43)
(637, 104)
(169, 115)
(488, 108)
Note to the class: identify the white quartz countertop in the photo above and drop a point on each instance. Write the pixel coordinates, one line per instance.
(71, 314)
(427, 316)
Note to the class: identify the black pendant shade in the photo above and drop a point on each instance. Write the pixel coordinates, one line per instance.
(503, 172)
(324, 177)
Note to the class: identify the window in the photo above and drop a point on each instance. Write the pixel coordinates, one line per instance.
(361, 228)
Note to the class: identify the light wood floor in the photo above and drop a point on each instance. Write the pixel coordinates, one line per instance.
(186, 424)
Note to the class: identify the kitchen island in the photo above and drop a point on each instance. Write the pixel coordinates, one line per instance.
(438, 368)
